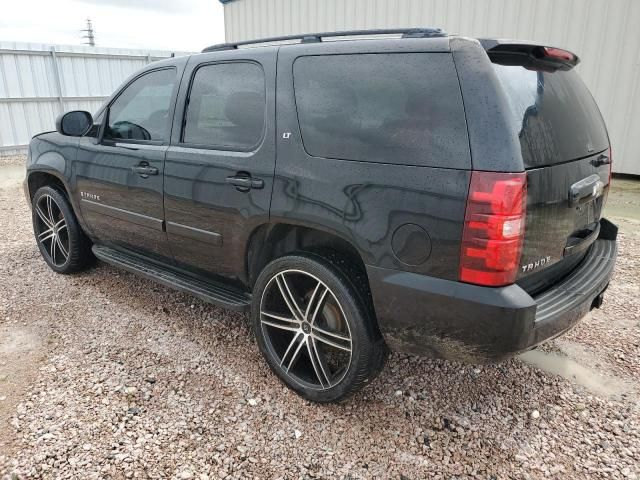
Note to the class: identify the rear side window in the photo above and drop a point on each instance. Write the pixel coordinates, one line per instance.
(226, 106)
(553, 112)
(401, 108)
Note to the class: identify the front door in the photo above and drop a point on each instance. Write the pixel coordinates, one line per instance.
(120, 176)
(219, 167)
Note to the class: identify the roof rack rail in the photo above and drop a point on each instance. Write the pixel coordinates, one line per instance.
(317, 37)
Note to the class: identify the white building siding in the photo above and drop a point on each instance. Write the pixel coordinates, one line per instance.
(38, 82)
(604, 33)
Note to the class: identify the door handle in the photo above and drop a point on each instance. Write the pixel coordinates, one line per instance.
(144, 170)
(244, 182)
(585, 190)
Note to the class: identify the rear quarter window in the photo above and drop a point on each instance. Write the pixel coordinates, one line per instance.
(400, 108)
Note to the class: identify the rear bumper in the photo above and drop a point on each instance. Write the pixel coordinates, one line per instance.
(442, 318)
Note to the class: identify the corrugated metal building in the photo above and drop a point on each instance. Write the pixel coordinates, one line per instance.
(604, 33)
(38, 82)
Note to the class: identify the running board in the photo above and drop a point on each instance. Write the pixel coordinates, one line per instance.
(211, 292)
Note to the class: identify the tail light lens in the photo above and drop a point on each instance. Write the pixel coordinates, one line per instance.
(493, 228)
(559, 54)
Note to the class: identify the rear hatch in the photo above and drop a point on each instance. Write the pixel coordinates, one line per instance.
(566, 153)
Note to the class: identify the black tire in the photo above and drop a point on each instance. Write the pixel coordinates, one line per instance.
(65, 248)
(343, 311)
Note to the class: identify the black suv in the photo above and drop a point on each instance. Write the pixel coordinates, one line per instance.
(433, 194)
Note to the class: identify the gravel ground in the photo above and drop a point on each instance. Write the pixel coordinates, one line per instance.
(106, 375)
(11, 160)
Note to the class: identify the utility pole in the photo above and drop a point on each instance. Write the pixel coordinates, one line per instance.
(91, 39)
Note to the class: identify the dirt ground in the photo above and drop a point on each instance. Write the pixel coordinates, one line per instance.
(106, 375)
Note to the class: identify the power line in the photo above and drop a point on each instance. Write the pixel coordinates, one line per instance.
(89, 34)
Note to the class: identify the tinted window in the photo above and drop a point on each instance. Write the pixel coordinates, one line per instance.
(403, 108)
(555, 116)
(141, 112)
(226, 106)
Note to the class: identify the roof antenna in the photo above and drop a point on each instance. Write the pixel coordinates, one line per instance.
(91, 39)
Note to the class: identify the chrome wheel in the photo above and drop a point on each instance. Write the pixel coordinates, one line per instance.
(305, 329)
(51, 230)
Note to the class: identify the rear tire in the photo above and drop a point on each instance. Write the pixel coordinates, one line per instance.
(314, 328)
(62, 243)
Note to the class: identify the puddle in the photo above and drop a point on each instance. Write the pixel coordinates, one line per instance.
(11, 175)
(571, 370)
(624, 199)
(17, 341)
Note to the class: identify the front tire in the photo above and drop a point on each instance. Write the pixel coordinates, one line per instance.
(62, 243)
(314, 328)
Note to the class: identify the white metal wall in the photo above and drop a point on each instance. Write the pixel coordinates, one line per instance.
(604, 33)
(38, 82)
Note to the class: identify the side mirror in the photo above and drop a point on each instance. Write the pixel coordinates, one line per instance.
(75, 123)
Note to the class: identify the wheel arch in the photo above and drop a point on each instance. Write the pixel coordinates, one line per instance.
(47, 176)
(270, 241)
(41, 178)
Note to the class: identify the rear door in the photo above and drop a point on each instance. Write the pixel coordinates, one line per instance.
(566, 154)
(220, 165)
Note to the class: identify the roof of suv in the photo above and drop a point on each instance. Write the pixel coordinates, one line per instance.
(428, 32)
(495, 47)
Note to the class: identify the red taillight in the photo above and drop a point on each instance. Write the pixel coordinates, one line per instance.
(559, 54)
(493, 228)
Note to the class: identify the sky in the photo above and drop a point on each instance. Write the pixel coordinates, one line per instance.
(180, 25)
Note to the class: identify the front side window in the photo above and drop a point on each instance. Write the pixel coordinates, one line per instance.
(141, 112)
(226, 106)
(401, 108)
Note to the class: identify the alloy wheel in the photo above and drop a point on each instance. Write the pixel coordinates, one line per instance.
(51, 230)
(305, 329)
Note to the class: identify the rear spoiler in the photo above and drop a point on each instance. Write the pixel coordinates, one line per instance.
(528, 55)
